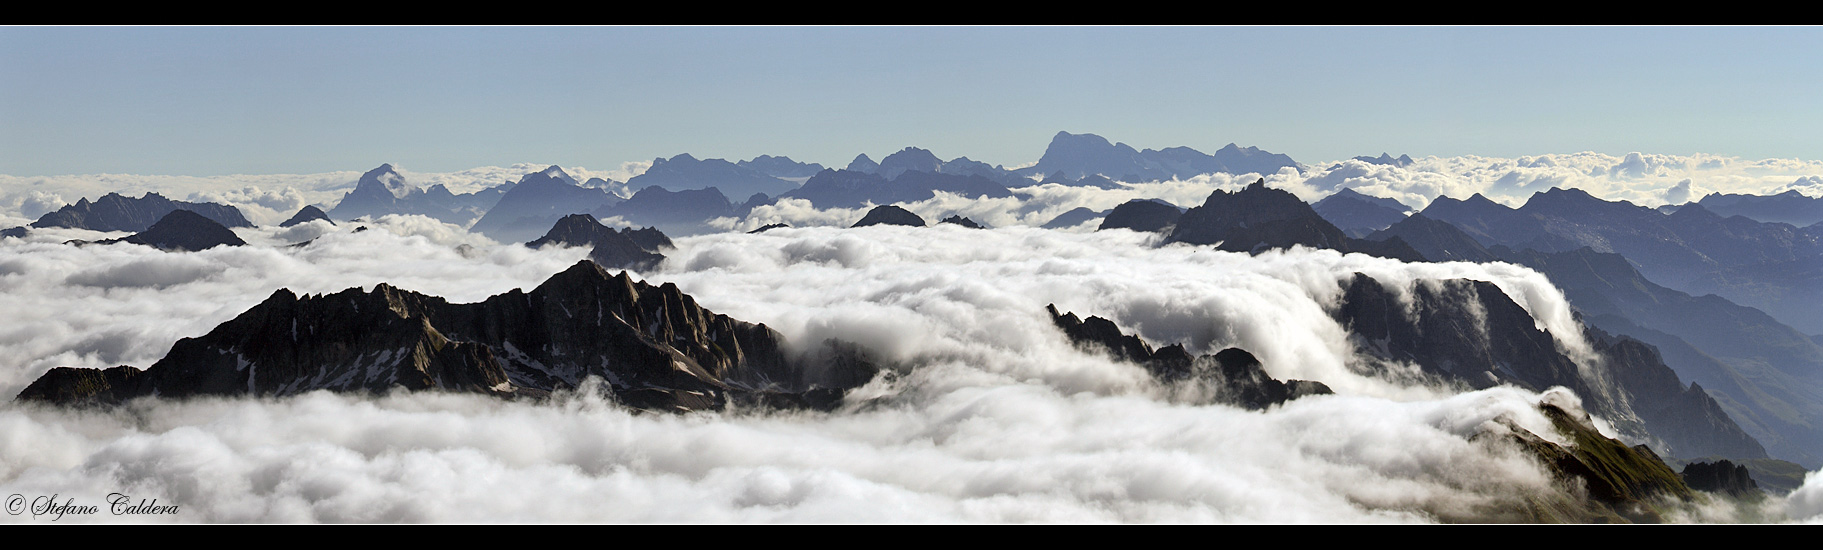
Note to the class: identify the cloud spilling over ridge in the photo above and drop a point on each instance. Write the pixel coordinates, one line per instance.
(935, 294)
(991, 415)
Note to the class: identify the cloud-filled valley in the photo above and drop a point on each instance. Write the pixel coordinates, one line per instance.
(985, 411)
(992, 417)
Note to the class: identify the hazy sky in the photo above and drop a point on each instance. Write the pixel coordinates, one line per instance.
(209, 101)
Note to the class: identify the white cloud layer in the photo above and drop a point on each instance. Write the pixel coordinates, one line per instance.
(991, 417)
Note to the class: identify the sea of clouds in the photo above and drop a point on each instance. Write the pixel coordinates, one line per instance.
(988, 413)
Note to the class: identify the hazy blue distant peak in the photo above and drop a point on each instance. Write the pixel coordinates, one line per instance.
(863, 164)
(679, 157)
(1394, 204)
(781, 167)
(1387, 160)
(557, 172)
(385, 177)
(910, 159)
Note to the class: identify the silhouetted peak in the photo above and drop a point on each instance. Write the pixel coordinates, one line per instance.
(890, 215)
(309, 212)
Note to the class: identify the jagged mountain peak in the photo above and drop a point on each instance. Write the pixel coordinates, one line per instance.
(656, 348)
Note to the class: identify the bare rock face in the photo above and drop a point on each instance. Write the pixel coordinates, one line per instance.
(1470, 333)
(613, 248)
(1234, 374)
(1721, 476)
(653, 345)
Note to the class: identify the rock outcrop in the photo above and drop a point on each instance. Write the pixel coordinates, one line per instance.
(1720, 476)
(1232, 375)
(654, 347)
(639, 249)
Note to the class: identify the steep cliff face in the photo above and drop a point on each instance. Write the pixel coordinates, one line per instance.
(653, 345)
(1470, 333)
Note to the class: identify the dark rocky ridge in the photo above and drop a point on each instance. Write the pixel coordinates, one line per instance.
(653, 346)
(1258, 218)
(639, 249)
(962, 221)
(113, 212)
(1720, 476)
(1235, 375)
(1760, 371)
(1470, 333)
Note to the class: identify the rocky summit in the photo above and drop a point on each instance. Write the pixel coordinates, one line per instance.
(654, 347)
(1259, 218)
(613, 248)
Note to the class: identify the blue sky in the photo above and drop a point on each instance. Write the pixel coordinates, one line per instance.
(210, 101)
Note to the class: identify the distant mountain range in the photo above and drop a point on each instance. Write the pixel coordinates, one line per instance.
(113, 212)
(536, 202)
(1771, 266)
(382, 191)
(1079, 155)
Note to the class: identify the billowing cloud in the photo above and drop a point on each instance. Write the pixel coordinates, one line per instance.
(990, 414)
